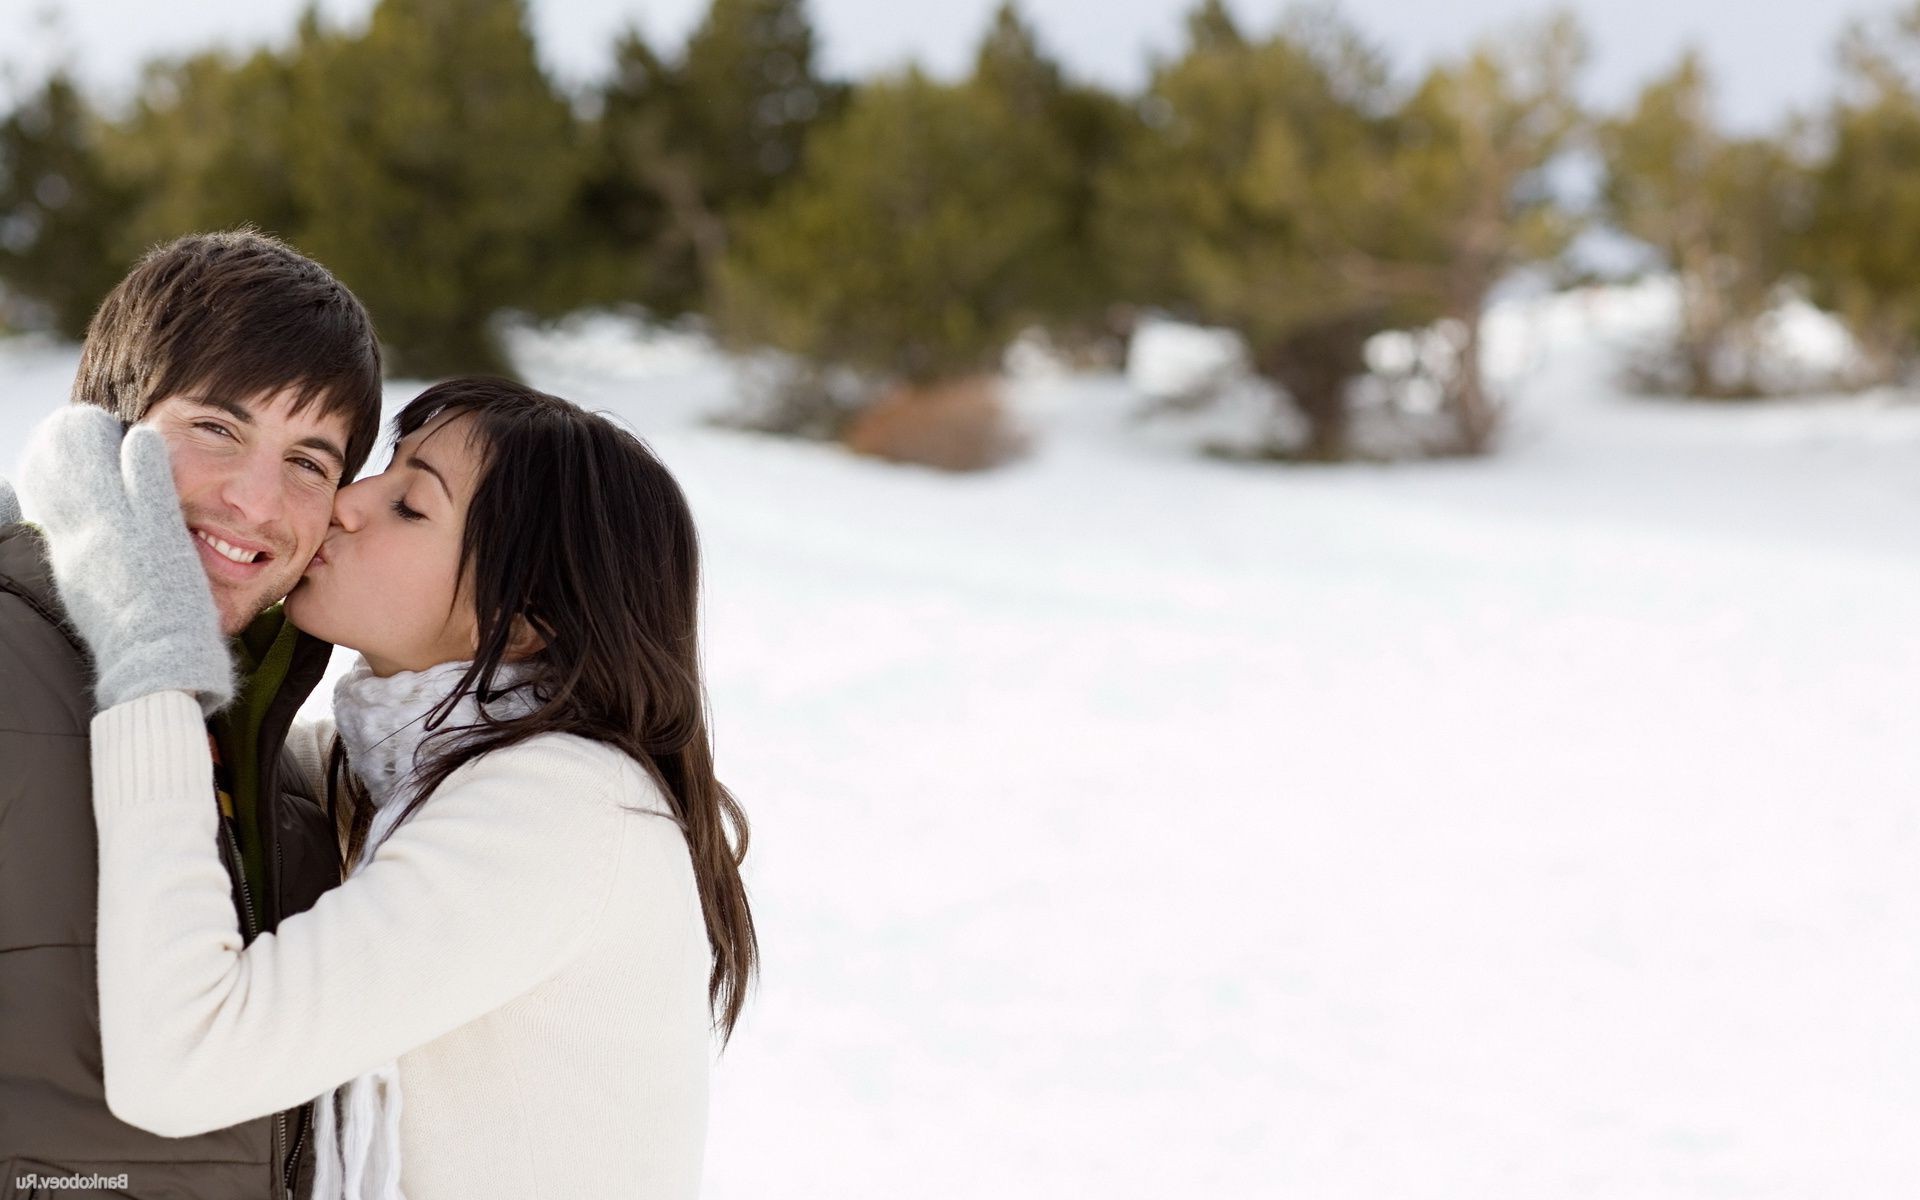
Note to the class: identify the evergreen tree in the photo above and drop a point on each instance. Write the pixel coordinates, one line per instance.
(1211, 27)
(930, 224)
(1279, 187)
(1715, 208)
(681, 148)
(750, 90)
(907, 247)
(434, 170)
(646, 230)
(207, 145)
(59, 208)
(1858, 246)
(1227, 204)
(1079, 130)
(1011, 64)
(1462, 198)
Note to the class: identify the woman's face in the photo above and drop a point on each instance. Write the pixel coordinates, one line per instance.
(383, 581)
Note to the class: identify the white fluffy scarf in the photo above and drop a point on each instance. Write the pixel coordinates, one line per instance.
(382, 723)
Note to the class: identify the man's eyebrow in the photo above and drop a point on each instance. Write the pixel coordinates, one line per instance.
(414, 460)
(325, 446)
(232, 408)
(239, 413)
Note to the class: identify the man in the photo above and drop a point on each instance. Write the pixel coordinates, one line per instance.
(263, 374)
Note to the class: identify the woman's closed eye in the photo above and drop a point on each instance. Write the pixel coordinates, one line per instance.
(405, 513)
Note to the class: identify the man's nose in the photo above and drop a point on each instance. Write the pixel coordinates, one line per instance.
(256, 489)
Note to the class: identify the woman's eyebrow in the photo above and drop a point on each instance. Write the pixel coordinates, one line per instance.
(414, 460)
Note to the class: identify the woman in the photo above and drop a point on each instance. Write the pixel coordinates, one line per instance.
(542, 905)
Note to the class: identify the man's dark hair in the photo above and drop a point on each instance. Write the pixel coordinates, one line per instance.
(227, 317)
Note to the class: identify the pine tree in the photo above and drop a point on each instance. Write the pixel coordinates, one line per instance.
(435, 167)
(1079, 130)
(207, 145)
(1461, 199)
(58, 208)
(1227, 204)
(749, 90)
(906, 248)
(1716, 209)
(1858, 246)
(1281, 188)
(1011, 65)
(1211, 27)
(682, 147)
(647, 231)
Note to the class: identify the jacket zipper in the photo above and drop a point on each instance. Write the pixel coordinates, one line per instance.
(292, 1172)
(280, 1135)
(253, 931)
(293, 1155)
(246, 897)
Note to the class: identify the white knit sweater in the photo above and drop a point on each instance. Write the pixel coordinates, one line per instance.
(529, 947)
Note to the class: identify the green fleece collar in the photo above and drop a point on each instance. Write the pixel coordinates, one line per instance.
(263, 652)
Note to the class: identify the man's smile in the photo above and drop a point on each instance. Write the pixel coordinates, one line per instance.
(229, 558)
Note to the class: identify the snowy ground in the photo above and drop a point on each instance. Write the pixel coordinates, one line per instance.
(1129, 824)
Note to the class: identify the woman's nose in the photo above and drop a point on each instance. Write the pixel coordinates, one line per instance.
(348, 508)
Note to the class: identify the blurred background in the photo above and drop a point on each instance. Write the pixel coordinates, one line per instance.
(1305, 601)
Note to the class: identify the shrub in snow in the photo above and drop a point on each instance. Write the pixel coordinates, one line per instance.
(1789, 348)
(1858, 244)
(1285, 188)
(1717, 211)
(1396, 408)
(790, 396)
(958, 425)
(911, 245)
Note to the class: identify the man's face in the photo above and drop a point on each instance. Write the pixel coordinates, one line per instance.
(259, 479)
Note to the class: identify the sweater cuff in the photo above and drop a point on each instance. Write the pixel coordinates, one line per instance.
(152, 747)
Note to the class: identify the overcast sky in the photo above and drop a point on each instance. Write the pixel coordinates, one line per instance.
(1767, 61)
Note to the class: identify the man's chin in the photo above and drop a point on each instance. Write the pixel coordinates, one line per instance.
(238, 612)
(232, 623)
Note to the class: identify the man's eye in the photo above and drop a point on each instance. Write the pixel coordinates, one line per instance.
(213, 427)
(313, 466)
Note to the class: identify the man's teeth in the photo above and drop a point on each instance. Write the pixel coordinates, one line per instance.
(233, 552)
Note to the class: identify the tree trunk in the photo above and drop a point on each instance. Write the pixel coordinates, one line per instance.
(1315, 365)
(1475, 417)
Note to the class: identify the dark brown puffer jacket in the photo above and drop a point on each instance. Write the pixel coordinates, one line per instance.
(53, 1112)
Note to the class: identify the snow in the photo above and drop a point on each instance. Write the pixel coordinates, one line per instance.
(1798, 348)
(1168, 359)
(1129, 823)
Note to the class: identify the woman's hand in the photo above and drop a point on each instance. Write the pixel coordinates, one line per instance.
(123, 562)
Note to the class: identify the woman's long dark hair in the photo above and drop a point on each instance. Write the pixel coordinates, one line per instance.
(577, 527)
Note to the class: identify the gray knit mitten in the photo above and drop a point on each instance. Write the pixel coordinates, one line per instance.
(123, 561)
(9, 506)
